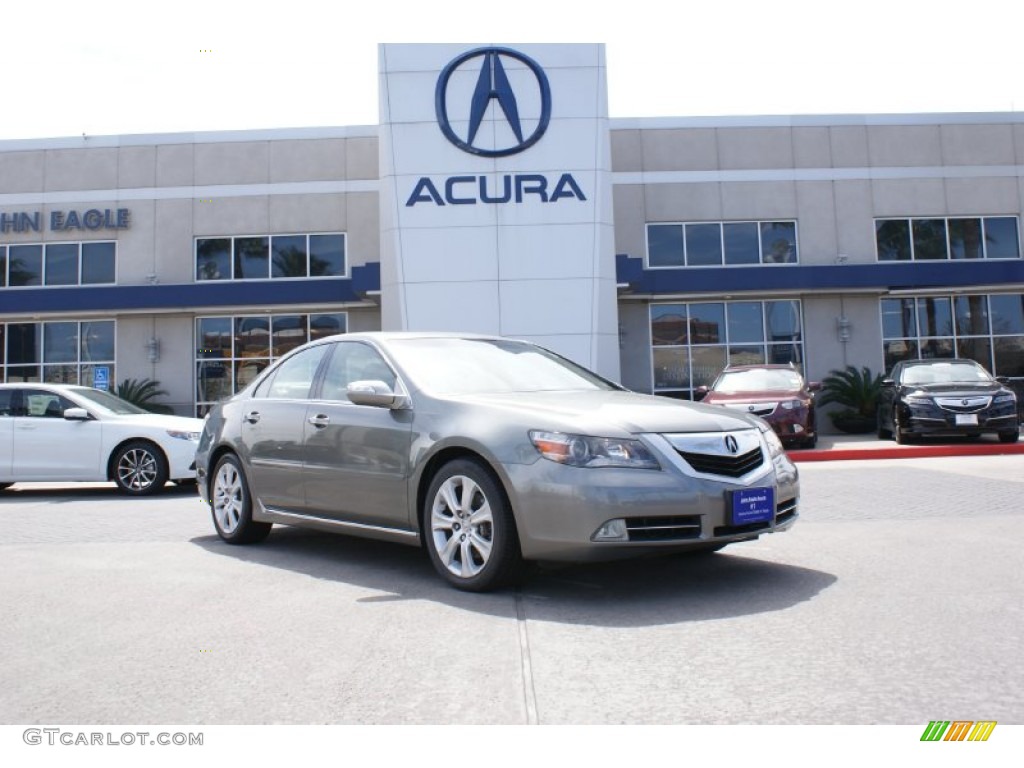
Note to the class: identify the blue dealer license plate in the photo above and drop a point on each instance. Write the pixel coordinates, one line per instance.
(753, 505)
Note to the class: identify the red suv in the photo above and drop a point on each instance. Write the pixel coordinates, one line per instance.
(776, 393)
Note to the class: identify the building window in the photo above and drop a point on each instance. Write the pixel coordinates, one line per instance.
(728, 243)
(58, 352)
(692, 342)
(89, 263)
(990, 237)
(231, 351)
(986, 328)
(263, 257)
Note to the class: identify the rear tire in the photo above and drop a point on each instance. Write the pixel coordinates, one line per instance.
(231, 504)
(468, 528)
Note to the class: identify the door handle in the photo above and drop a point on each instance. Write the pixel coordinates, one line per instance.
(252, 417)
(319, 421)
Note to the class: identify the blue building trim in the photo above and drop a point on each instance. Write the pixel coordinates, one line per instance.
(185, 297)
(940, 275)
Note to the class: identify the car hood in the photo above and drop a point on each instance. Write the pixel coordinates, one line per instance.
(958, 388)
(157, 421)
(600, 412)
(761, 396)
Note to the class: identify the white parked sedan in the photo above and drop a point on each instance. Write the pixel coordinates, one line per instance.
(58, 433)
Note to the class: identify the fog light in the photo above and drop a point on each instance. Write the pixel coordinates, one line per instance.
(613, 530)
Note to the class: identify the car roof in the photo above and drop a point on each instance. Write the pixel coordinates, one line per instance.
(765, 366)
(43, 385)
(939, 361)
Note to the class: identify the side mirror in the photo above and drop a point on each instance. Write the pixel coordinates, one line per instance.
(1004, 380)
(814, 386)
(374, 392)
(888, 383)
(76, 414)
(701, 392)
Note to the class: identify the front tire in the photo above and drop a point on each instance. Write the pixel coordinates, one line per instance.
(231, 504)
(469, 530)
(1010, 436)
(140, 468)
(898, 433)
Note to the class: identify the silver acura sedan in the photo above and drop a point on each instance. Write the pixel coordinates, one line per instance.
(488, 452)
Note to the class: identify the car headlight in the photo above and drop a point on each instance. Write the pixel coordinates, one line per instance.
(1009, 397)
(586, 451)
(917, 400)
(789, 405)
(180, 435)
(774, 444)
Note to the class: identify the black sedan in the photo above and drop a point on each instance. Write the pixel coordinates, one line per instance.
(945, 397)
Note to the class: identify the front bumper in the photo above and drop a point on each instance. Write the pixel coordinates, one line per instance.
(930, 419)
(559, 509)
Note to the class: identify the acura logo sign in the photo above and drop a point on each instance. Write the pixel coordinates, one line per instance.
(492, 86)
(731, 445)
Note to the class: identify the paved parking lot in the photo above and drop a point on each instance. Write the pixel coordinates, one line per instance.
(896, 599)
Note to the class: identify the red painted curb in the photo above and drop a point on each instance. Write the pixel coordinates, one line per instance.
(906, 452)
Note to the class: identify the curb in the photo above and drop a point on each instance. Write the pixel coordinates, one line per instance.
(906, 452)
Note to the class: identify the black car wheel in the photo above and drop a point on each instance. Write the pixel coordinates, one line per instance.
(140, 468)
(898, 432)
(231, 504)
(469, 530)
(1010, 436)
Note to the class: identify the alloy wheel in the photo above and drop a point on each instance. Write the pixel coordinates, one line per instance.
(228, 497)
(462, 526)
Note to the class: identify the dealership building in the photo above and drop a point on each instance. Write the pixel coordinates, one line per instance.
(496, 196)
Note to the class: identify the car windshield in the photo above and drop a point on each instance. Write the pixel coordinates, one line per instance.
(944, 373)
(107, 402)
(445, 366)
(758, 380)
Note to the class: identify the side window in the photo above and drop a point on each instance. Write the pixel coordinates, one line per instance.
(39, 403)
(353, 361)
(293, 378)
(6, 402)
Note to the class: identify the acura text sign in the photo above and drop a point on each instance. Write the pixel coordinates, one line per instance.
(495, 204)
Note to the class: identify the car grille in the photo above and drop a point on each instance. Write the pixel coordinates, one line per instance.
(785, 511)
(663, 528)
(963, 404)
(728, 466)
(757, 409)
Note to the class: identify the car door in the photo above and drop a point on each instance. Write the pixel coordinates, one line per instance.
(356, 456)
(272, 430)
(46, 446)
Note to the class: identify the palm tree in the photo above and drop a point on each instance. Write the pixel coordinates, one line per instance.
(142, 392)
(858, 391)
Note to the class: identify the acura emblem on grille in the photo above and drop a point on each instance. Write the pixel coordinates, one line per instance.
(751, 408)
(965, 403)
(731, 444)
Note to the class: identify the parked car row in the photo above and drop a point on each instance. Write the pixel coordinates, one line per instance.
(490, 453)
